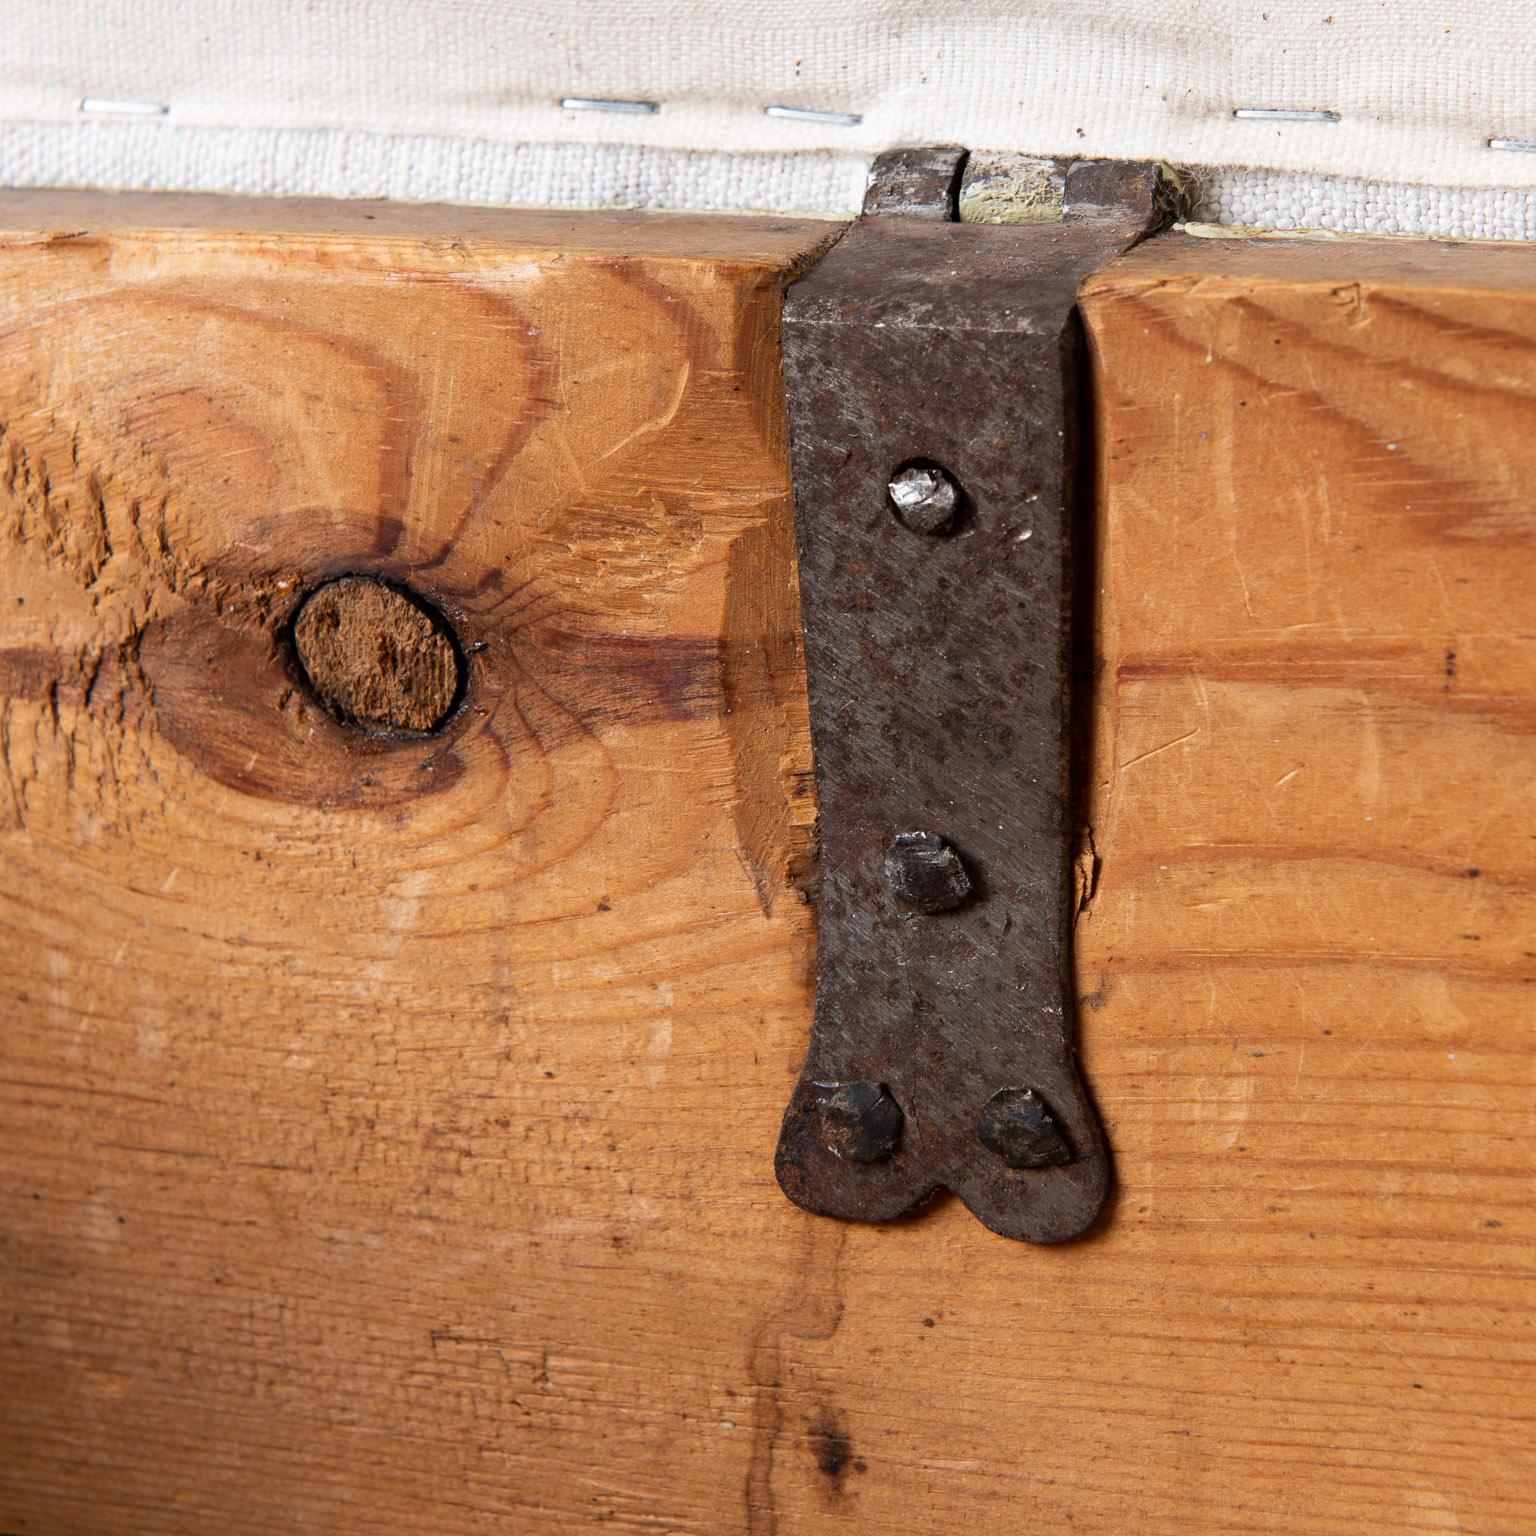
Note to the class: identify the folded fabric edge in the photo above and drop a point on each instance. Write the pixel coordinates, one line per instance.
(152, 156)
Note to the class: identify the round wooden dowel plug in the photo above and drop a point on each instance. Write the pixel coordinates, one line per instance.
(378, 658)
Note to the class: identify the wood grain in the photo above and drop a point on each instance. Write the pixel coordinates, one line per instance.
(368, 1105)
(387, 1129)
(1311, 960)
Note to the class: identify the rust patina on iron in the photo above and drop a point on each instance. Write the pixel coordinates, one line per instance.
(942, 1054)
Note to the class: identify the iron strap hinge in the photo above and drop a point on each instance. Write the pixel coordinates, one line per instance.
(932, 377)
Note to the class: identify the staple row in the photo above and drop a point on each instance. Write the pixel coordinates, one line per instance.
(106, 107)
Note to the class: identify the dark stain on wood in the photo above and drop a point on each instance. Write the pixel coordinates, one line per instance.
(832, 1447)
(604, 678)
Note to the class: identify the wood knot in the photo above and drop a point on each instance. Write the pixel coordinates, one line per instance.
(377, 657)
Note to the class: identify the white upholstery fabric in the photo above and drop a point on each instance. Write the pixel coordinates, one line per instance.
(1285, 200)
(423, 168)
(460, 99)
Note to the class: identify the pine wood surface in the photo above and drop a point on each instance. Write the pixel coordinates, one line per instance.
(387, 1127)
(1310, 967)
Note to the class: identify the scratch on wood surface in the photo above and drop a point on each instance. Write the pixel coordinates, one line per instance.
(1141, 757)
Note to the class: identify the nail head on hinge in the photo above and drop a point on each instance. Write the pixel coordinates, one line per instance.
(860, 1121)
(378, 658)
(1019, 1127)
(926, 873)
(925, 496)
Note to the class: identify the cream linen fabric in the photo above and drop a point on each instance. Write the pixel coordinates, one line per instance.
(460, 99)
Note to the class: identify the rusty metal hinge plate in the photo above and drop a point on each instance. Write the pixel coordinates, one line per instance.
(932, 380)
